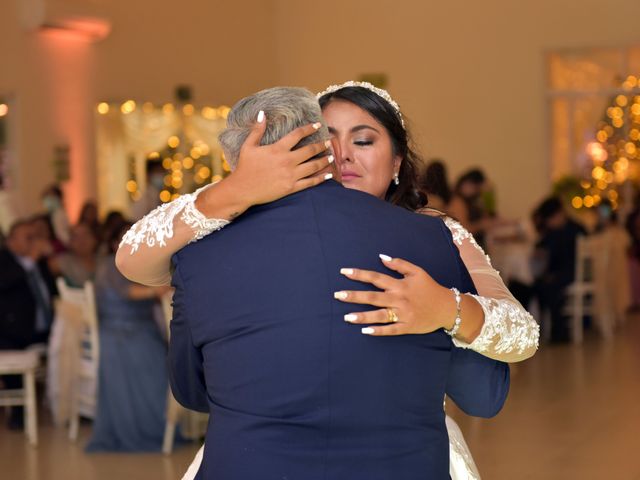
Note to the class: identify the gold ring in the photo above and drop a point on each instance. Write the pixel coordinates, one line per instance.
(392, 316)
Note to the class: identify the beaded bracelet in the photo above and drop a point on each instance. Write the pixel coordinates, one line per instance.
(458, 320)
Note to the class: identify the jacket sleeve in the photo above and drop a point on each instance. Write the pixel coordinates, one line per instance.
(477, 384)
(186, 372)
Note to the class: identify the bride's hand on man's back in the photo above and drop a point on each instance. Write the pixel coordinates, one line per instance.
(265, 173)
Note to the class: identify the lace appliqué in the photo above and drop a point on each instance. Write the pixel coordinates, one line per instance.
(460, 234)
(507, 328)
(201, 225)
(157, 226)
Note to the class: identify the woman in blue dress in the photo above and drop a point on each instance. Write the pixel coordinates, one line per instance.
(133, 379)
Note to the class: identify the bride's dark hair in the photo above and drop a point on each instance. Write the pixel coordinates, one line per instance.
(407, 194)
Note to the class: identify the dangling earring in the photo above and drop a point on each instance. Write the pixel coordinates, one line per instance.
(396, 180)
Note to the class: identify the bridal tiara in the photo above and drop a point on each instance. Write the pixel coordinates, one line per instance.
(378, 91)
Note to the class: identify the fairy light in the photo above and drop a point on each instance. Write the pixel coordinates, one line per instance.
(173, 142)
(192, 158)
(103, 108)
(128, 107)
(576, 202)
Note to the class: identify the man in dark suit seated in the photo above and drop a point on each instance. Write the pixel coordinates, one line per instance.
(25, 298)
(258, 340)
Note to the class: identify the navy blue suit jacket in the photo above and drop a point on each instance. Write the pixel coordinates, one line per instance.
(294, 391)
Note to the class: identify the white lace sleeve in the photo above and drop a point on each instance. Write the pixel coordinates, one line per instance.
(157, 226)
(509, 333)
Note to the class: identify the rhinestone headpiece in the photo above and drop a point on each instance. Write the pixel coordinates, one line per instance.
(378, 91)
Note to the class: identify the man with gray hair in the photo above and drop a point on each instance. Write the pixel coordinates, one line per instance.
(259, 342)
(287, 109)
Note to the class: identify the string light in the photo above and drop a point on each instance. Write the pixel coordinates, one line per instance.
(588, 201)
(128, 107)
(103, 108)
(173, 142)
(186, 158)
(188, 109)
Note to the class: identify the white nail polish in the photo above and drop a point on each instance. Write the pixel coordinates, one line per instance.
(327, 143)
(346, 271)
(261, 116)
(350, 317)
(340, 295)
(367, 330)
(328, 176)
(385, 258)
(317, 125)
(331, 158)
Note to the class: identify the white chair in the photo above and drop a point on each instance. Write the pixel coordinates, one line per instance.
(581, 293)
(85, 377)
(62, 350)
(174, 409)
(196, 421)
(25, 363)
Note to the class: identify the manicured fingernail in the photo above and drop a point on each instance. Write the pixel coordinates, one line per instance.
(328, 176)
(340, 295)
(261, 116)
(346, 271)
(331, 158)
(385, 258)
(350, 317)
(367, 330)
(327, 143)
(317, 125)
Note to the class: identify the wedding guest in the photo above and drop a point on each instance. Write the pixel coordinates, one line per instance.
(632, 225)
(7, 213)
(133, 381)
(78, 264)
(151, 197)
(467, 206)
(435, 184)
(53, 202)
(556, 252)
(26, 310)
(113, 221)
(89, 215)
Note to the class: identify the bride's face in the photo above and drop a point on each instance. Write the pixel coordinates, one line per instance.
(362, 148)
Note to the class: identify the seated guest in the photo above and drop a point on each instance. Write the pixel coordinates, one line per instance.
(467, 206)
(132, 381)
(25, 299)
(43, 230)
(113, 221)
(77, 265)
(436, 185)
(556, 252)
(53, 203)
(89, 215)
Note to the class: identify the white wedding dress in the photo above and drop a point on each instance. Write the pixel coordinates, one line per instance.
(509, 333)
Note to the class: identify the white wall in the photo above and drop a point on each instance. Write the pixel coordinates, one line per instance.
(470, 75)
(222, 49)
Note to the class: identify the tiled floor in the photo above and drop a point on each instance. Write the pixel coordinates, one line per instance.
(573, 413)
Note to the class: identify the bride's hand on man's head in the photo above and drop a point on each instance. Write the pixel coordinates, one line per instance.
(265, 173)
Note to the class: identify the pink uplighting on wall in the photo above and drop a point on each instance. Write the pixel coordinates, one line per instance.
(88, 29)
(68, 66)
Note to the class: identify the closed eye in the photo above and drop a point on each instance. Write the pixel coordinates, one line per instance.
(363, 143)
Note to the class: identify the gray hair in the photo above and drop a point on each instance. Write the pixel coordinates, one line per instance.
(285, 108)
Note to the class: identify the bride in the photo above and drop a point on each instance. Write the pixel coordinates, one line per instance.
(372, 148)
